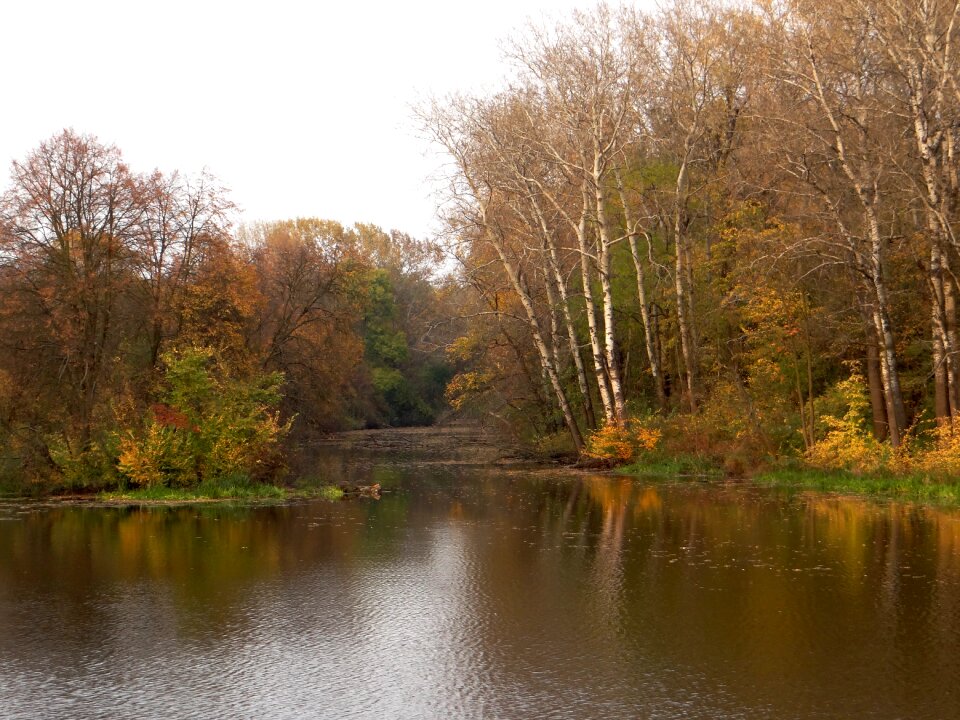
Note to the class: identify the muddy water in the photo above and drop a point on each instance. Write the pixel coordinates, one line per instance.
(483, 592)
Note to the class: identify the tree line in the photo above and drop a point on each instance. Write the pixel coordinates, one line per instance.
(734, 225)
(133, 311)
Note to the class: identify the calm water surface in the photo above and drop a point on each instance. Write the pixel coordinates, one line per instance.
(484, 593)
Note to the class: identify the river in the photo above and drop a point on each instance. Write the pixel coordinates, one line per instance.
(471, 590)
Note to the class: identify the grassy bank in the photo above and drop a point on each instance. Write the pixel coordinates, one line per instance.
(915, 487)
(216, 492)
(205, 492)
(673, 466)
(911, 487)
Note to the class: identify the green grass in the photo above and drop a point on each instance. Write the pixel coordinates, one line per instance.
(245, 492)
(915, 488)
(919, 488)
(682, 465)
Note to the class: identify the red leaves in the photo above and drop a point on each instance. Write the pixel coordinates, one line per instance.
(170, 417)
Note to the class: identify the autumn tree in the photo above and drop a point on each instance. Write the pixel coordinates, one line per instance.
(70, 221)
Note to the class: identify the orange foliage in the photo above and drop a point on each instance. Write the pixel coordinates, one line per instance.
(623, 444)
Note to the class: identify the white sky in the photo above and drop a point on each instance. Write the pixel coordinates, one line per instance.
(300, 108)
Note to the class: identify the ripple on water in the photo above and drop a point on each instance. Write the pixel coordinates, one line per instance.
(454, 598)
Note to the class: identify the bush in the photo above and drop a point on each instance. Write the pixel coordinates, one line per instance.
(847, 443)
(942, 459)
(209, 426)
(621, 444)
(88, 468)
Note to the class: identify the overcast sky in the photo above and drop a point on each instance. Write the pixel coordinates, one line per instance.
(301, 108)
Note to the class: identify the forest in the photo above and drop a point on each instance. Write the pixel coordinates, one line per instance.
(147, 341)
(722, 231)
(722, 234)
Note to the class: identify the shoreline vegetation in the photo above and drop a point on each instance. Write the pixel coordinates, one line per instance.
(257, 493)
(149, 343)
(245, 493)
(914, 487)
(710, 231)
(920, 489)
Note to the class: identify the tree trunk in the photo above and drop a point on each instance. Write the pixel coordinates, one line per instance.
(953, 360)
(880, 311)
(877, 405)
(604, 246)
(606, 397)
(680, 275)
(648, 331)
(547, 361)
(896, 413)
(941, 376)
(574, 344)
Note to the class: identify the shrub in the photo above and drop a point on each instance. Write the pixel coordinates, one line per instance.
(621, 444)
(847, 443)
(210, 426)
(943, 457)
(82, 469)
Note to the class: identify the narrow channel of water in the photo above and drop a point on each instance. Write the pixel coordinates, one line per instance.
(484, 593)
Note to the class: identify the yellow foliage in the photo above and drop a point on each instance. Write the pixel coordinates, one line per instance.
(647, 438)
(465, 386)
(463, 348)
(610, 442)
(622, 444)
(943, 458)
(848, 445)
(156, 456)
(847, 448)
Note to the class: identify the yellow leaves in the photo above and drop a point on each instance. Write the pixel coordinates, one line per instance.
(647, 438)
(464, 387)
(622, 444)
(463, 348)
(844, 448)
(936, 454)
(848, 444)
(610, 443)
(148, 460)
(943, 457)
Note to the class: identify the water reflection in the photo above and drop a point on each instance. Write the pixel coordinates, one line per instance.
(484, 593)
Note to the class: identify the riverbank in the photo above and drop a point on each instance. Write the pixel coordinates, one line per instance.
(246, 494)
(218, 493)
(326, 476)
(911, 488)
(322, 469)
(918, 488)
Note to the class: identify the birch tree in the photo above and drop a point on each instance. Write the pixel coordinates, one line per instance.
(833, 67)
(479, 212)
(584, 71)
(919, 39)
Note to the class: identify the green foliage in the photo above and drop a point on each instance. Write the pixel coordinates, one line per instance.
(88, 468)
(211, 426)
(384, 343)
(406, 391)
